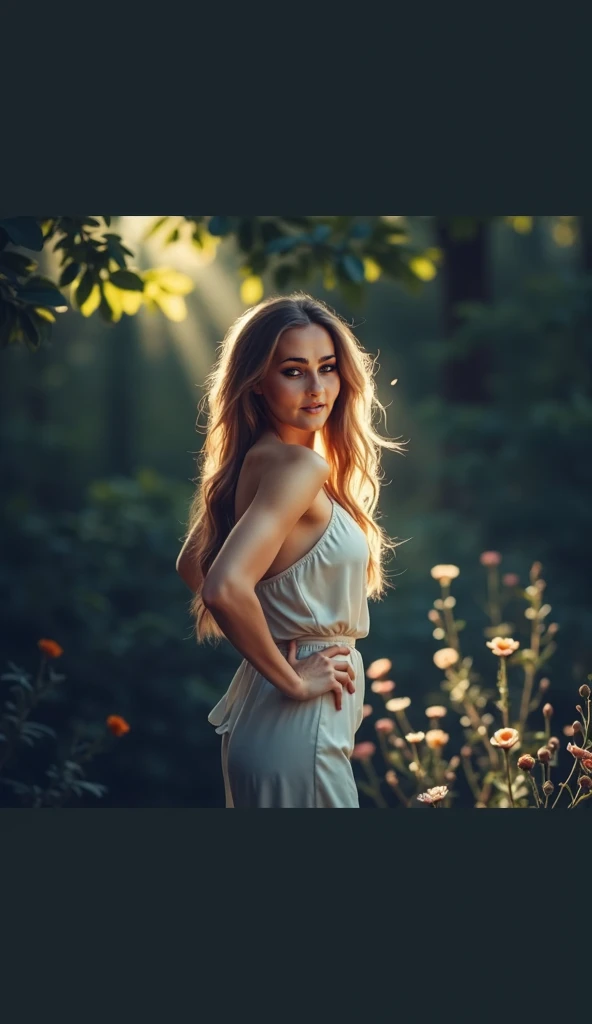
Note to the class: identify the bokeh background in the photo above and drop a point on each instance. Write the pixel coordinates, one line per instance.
(485, 327)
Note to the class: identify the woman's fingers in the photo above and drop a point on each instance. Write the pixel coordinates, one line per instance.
(338, 697)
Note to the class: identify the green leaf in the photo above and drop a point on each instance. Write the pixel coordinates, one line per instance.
(353, 267)
(24, 231)
(17, 262)
(39, 291)
(85, 287)
(69, 274)
(219, 226)
(127, 280)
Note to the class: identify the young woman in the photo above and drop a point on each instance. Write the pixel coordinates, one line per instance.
(282, 550)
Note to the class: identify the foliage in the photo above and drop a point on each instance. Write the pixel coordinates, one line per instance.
(101, 578)
(98, 267)
(66, 775)
(414, 761)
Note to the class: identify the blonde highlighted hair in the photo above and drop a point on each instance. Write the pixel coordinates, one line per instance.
(237, 418)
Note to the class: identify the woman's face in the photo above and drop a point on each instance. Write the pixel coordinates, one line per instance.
(303, 373)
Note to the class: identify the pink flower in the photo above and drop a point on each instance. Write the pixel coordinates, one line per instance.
(505, 738)
(379, 668)
(363, 751)
(503, 646)
(490, 558)
(384, 725)
(510, 579)
(367, 709)
(382, 686)
(578, 752)
(433, 795)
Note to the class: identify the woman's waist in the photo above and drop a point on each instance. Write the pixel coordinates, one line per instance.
(314, 640)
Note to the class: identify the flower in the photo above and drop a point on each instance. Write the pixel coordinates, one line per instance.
(435, 711)
(367, 709)
(578, 752)
(436, 738)
(382, 686)
(466, 751)
(117, 725)
(384, 725)
(363, 751)
(547, 710)
(510, 579)
(526, 762)
(433, 795)
(378, 668)
(586, 763)
(584, 690)
(445, 657)
(586, 783)
(398, 703)
(544, 755)
(490, 558)
(415, 737)
(568, 730)
(434, 617)
(503, 646)
(391, 778)
(50, 648)
(505, 738)
(445, 572)
(438, 633)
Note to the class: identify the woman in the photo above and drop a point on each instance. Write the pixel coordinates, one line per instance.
(282, 550)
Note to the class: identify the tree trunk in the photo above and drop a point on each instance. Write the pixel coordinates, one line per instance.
(466, 279)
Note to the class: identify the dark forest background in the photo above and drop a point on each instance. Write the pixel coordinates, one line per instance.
(485, 324)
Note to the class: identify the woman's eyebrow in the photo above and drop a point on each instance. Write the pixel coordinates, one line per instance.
(300, 359)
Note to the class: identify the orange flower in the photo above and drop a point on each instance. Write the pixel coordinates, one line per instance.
(363, 751)
(50, 648)
(490, 558)
(436, 738)
(117, 725)
(526, 762)
(382, 686)
(379, 668)
(505, 738)
(445, 658)
(503, 646)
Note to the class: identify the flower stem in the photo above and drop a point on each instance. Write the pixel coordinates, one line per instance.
(510, 797)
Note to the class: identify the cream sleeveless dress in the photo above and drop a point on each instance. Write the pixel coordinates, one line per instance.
(278, 752)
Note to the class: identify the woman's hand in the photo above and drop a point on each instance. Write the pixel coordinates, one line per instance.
(320, 674)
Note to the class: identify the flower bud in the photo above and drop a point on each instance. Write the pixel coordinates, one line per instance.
(553, 744)
(584, 691)
(587, 763)
(454, 762)
(548, 710)
(548, 787)
(450, 776)
(586, 783)
(544, 755)
(544, 684)
(466, 751)
(552, 628)
(526, 762)
(577, 726)
(391, 778)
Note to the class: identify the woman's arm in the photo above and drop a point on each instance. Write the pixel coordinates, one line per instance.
(287, 488)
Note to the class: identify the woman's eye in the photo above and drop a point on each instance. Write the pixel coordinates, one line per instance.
(290, 371)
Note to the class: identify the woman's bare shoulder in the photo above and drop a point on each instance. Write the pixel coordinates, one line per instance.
(266, 456)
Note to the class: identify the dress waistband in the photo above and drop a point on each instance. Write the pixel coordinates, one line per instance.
(308, 638)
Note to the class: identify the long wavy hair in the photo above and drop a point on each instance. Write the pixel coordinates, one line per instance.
(237, 418)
